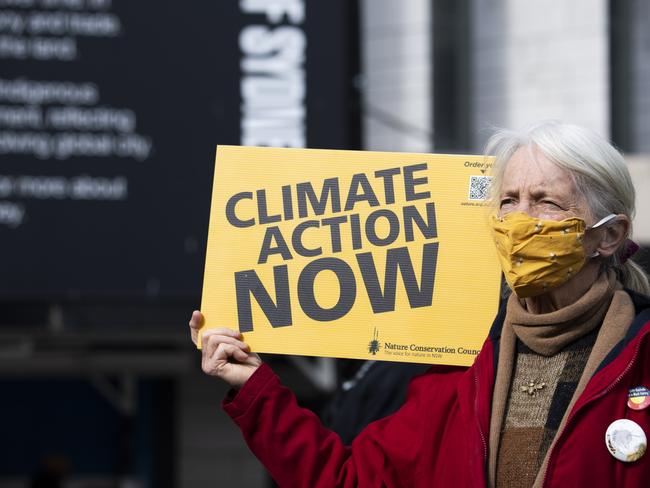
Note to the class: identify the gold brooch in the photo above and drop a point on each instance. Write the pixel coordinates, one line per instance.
(532, 386)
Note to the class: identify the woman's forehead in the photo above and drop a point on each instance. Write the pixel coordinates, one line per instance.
(531, 169)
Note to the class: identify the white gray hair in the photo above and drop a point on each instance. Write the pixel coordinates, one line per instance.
(598, 170)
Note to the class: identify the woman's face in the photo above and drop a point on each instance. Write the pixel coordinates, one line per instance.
(534, 185)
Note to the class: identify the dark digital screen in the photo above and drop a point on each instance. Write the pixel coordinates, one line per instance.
(110, 113)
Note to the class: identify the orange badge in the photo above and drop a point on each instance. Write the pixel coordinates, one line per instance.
(638, 398)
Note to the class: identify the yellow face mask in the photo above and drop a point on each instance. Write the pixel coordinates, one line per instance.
(537, 255)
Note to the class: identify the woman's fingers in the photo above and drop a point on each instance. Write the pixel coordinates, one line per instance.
(212, 341)
(233, 351)
(221, 331)
(218, 362)
(195, 324)
(214, 364)
(196, 321)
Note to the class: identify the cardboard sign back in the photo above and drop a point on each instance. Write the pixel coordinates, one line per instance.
(352, 254)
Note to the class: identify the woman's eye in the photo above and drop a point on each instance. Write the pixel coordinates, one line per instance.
(506, 201)
(552, 204)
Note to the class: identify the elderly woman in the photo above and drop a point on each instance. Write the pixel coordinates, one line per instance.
(557, 395)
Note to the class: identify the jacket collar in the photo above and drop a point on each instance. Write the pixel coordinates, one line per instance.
(642, 316)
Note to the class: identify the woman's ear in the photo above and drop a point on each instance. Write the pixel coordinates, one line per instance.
(613, 236)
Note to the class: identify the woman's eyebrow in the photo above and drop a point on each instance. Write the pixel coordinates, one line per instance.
(540, 192)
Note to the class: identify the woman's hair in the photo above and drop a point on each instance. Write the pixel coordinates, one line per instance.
(598, 170)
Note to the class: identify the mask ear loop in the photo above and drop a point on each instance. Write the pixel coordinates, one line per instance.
(602, 221)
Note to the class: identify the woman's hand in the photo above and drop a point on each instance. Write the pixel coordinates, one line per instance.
(223, 353)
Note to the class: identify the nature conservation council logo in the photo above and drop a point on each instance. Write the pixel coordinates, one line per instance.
(373, 345)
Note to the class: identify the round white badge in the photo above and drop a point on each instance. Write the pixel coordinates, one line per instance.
(626, 440)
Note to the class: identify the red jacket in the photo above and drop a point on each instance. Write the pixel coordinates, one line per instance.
(439, 437)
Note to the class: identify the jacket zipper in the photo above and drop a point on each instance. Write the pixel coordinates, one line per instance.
(600, 394)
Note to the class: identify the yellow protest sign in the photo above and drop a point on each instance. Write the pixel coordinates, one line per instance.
(352, 254)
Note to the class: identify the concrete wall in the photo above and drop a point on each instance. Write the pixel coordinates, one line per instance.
(640, 75)
(539, 59)
(396, 86)
(640, 170)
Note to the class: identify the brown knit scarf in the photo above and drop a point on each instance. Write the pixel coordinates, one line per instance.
(547, 334)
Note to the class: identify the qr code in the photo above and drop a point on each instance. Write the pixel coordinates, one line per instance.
(479, 186)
